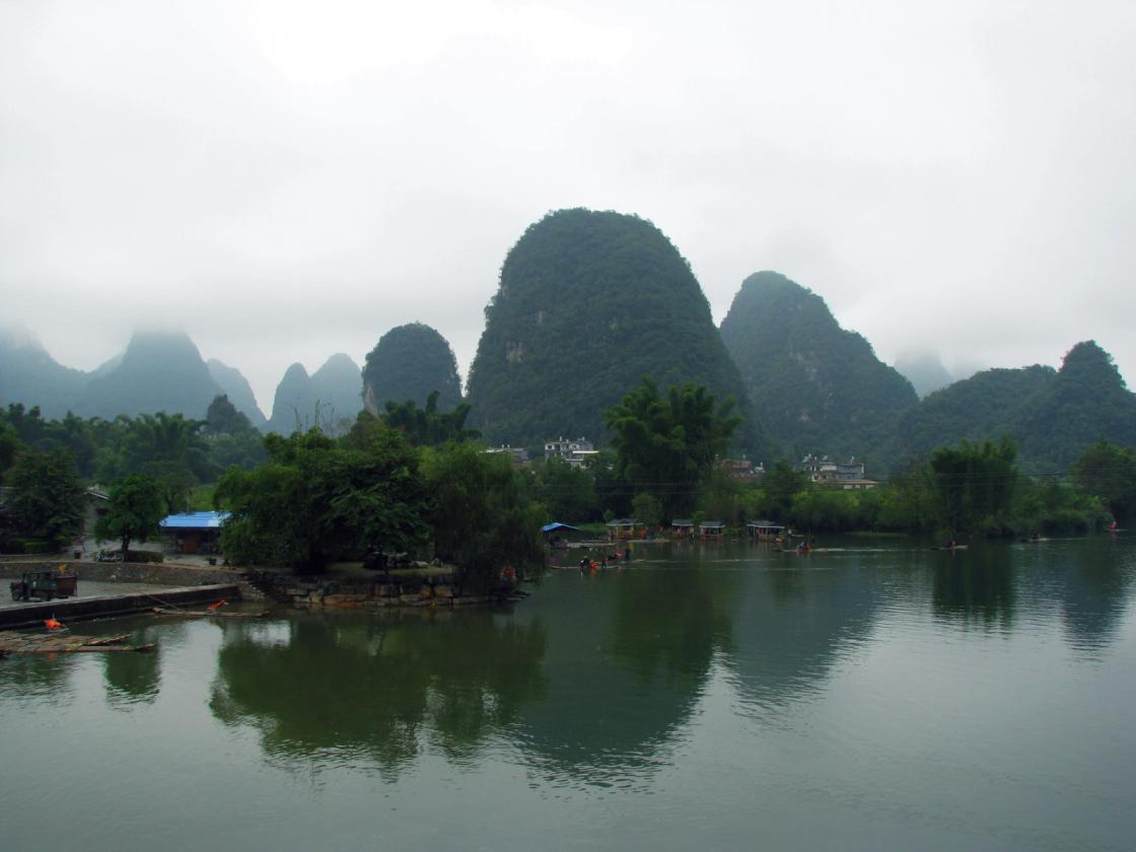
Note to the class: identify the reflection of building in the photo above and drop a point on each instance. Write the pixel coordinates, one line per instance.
(194, 532)
(575, 451)
(824, 471)
(518, 455)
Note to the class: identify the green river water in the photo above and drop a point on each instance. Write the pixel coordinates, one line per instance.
(719, 697)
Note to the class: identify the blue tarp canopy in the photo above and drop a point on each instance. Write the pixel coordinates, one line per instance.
(194, 521)
(556, 525)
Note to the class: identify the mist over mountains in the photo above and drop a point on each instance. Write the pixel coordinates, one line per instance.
(588, 304)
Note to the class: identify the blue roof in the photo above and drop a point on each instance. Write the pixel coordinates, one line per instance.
(194, 521)
(556, 525)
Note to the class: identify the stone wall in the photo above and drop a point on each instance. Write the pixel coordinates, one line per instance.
(158, 573)
(380, 592)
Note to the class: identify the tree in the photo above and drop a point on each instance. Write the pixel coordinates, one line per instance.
(9, 446)
(136, 507)
(428, 426)
(974, 485)
(230, 438)
(1109, 472)
(647, 509)
(666, 445)
(317, 499)
(781, 485)
(48, 497)
(222, 418)
(481, 517)
(567, 491)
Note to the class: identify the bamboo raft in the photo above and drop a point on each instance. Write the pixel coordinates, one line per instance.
(202, 613)
(67, 643)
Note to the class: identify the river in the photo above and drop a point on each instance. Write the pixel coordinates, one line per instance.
(716, 697)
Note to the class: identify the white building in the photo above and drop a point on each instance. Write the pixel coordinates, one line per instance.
(575, 451)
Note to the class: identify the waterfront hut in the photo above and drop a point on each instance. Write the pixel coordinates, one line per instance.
(621, 529)
(712, 529)
(765, 530)
(682, 528)
(194, 532)
(557, 534)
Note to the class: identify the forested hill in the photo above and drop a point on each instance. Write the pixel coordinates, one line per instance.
(816, 387)
(411, 362)
(330, 398)
(988, 405)
(294, 404)
(589, 303)
(338, 385)
(29, 375)
(159, 371)
(1085, 402)
(1053, 416)
(234, 385)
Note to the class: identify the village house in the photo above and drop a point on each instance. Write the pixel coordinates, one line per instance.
(193, 532)
(848, 476)
(518, 455)
(742, 470)
(575, 451)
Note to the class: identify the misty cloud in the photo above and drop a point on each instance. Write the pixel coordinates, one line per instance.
(289, 180)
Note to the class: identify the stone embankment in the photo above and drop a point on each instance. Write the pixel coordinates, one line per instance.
(379, 592)
(155, 573)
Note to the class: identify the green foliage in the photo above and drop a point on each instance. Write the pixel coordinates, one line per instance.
(428, 426)
(648, 509)
(974, 485)
(47, 499)
(1052, 416)
(137, 504)
(482, 518)
(721, 498)
(1109, 472)
(169, 449)
(815, 386)
(9, 445)
(589, 303)
(411, 362)
(71, 433)
(231, 438)
(666, 445)
(222, 418)
(316, 500)
(781, 486)
(1052, 506)
(567, 492)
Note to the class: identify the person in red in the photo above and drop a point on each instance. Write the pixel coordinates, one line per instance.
(53, 623)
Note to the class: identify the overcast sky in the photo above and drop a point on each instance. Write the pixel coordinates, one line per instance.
(289, 180)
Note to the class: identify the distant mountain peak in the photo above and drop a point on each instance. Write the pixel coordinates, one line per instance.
(816, 386)
(411, 361)
(1086, 359)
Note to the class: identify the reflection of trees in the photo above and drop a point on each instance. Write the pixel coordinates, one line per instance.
(627, 661)
(1094, 595)
(975, 587)
(367, 687)
(791, 626)
(131, 678)
(37, 677)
